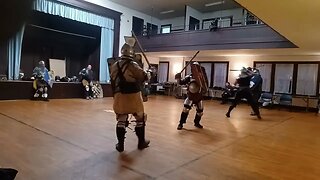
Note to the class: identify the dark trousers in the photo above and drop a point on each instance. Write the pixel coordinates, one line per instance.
(245, 93)
(88, 91)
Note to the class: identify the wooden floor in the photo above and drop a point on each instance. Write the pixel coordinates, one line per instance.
(74, 139)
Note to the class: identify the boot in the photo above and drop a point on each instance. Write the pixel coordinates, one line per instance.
(197, 121)
(256, 111)
(7, 173)
(120, 135)
(183, 120)
(142, 142)
(229, 111)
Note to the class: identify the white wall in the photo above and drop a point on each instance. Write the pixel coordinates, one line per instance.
(175, 66)
(194, 13)
(152, 60)
(126, 17)
(177, 22)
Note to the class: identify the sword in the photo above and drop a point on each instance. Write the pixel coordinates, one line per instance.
(140, 47)
(190, 61)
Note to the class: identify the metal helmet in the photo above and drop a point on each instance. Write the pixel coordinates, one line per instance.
(127, 51)
(196, 63)
(243, 73)
(41, 64)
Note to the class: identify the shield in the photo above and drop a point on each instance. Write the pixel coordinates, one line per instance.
(48, 79)
(111, 61)
(200, 75)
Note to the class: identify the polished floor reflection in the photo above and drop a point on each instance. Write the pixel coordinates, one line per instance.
(73, 139)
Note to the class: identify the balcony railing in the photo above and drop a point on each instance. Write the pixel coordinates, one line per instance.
(204, 26)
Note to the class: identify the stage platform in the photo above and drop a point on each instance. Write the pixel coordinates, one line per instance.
(12, 90)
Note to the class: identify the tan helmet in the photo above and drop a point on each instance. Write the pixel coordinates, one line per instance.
(127, 51)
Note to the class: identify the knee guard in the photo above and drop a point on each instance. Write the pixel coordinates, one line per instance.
(45, 89)
(122, 121)
(87, 88)
(199, 112)
(186, 109)
(141, 120)
(41, 89)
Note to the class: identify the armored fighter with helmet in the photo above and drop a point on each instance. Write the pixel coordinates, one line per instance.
(41, 81)
(197, 83)
(126, 79)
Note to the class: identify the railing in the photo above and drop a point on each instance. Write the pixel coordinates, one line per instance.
(204, 26)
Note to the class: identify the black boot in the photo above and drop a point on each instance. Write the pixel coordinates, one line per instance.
(120, 135)
(229, 111)
(183, 119)
(256, 111)
(142, 142)
(197, 121)
(7, 173)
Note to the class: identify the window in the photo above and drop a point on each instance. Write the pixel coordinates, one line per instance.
(217, 73)
(265, 72)
(163, 72)
(188, 68)
(220, 74)
(283, 78)
(225, 22)
(165, 29)
(296, 78)
(307, 79)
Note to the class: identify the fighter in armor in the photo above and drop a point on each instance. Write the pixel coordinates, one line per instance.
(229, 91)
(244, 92)
(86, 79)
(256, 87)
(195, 89)
(126, 79)
(41, 79)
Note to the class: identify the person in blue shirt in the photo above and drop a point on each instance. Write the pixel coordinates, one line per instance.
(41, 81)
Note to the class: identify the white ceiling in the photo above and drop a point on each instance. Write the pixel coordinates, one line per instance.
(297, 20)
(154, 7)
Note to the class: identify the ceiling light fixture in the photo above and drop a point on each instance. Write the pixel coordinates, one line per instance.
(214, 3)
(166, 12)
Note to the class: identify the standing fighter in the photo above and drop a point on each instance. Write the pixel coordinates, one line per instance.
(195, 93)
(256, 87)
(126, 79)
(86, 79)
(41, 81)
(244, 92)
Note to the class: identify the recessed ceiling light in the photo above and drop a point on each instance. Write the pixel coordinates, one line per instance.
(214, 3)
(166, 12)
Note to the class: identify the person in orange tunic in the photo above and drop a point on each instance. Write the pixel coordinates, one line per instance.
(126, 79)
